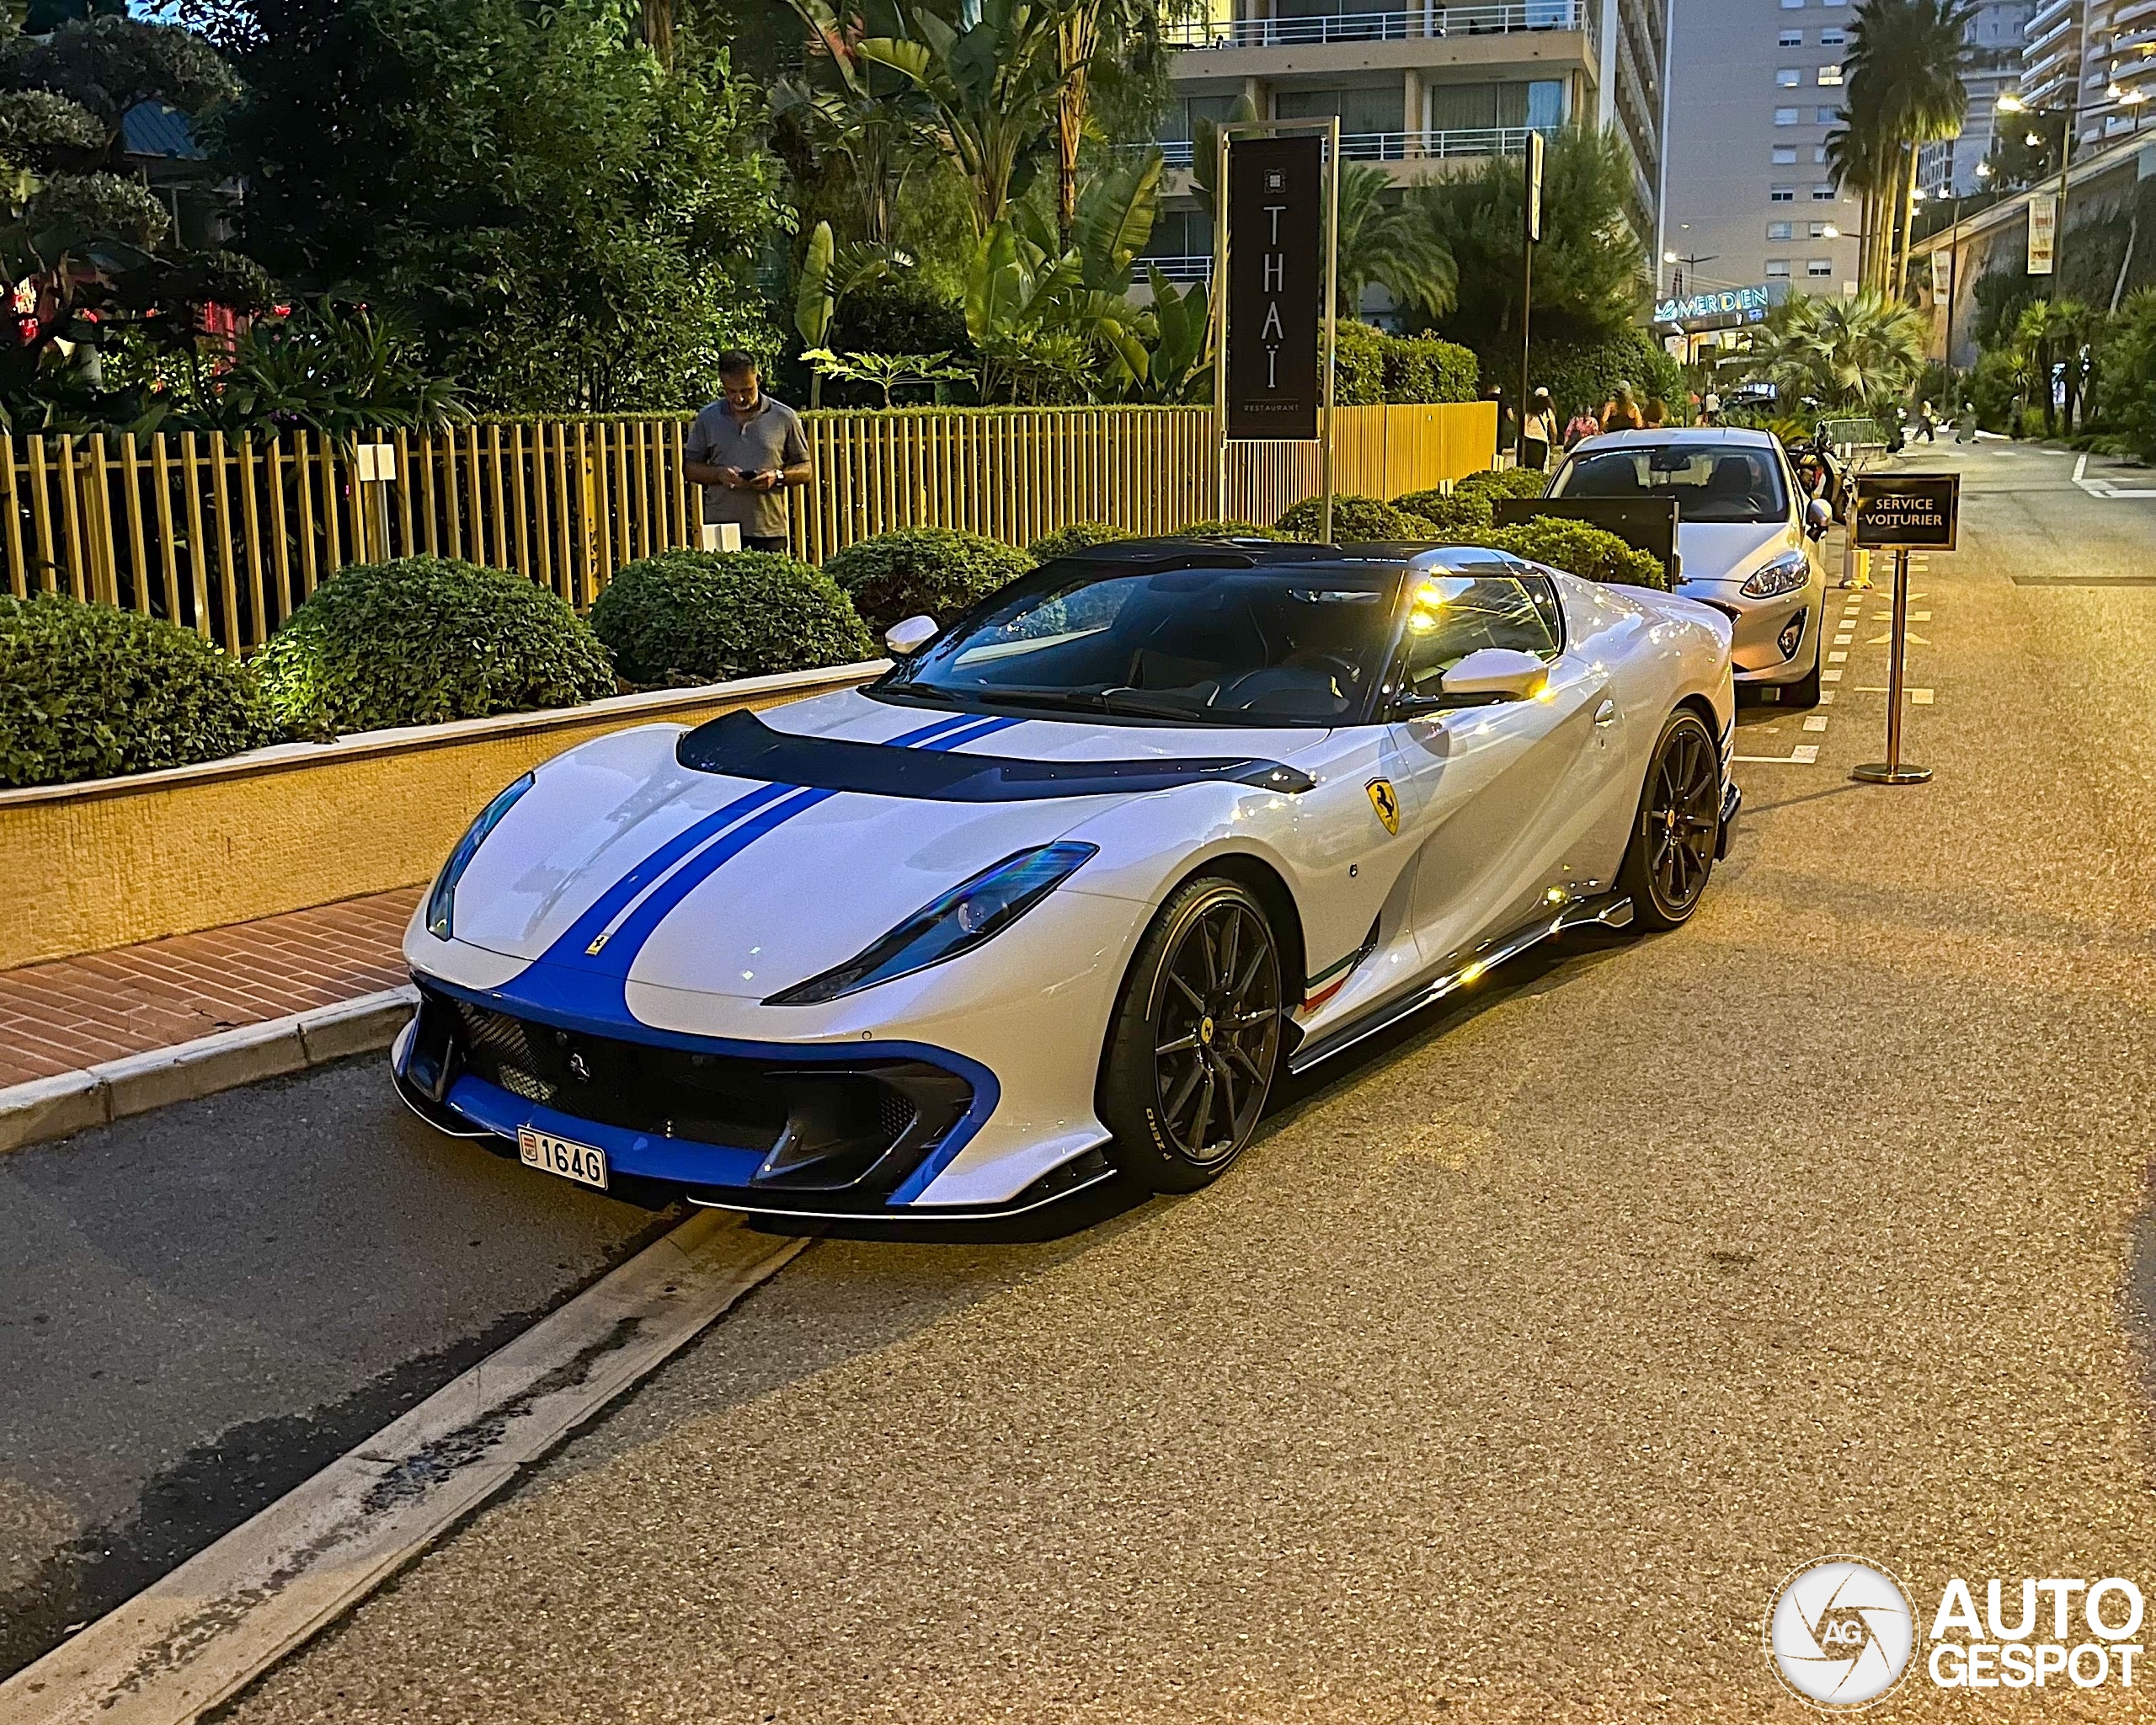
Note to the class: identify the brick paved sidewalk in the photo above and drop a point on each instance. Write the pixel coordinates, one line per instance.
(70, 1014)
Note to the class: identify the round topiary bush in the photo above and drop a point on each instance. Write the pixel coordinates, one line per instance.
(423, 639)
(1589, 552)
(701, 617)
(1354, 519)
(1504, 481)
(1225, 530)
(90, 691)
(1066, 542)
(923, 571)
(1450, 512)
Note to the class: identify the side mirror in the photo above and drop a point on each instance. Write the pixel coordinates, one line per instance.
(1500, 673)
(907, 639)
(1818, 517)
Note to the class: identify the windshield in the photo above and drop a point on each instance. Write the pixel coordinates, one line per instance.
(1710, 481)
(1293, 644)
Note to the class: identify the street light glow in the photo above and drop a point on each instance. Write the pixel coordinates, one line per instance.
(2011, 103)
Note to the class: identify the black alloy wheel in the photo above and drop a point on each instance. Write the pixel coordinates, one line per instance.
(1196, 1039)
(1679, 823)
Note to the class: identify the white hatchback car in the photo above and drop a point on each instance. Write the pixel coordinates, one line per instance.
(1747, 539)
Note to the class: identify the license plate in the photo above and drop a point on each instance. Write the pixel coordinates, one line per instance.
(583, 1163)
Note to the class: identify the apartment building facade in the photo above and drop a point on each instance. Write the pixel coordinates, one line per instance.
(1996, 37)
(1430, 90)
(2095, 57)
(1756, 86)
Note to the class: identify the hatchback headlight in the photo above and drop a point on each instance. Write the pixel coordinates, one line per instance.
(1785, 574)
(972, 912)
(441, 902)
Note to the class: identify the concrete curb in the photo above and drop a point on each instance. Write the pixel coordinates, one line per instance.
(70, 1102)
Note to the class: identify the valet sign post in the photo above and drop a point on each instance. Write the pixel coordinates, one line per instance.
(1276, 230)
(1904, 513)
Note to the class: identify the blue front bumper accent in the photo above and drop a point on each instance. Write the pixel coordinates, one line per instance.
(703, 1166)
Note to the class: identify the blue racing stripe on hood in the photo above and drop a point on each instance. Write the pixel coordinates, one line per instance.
(585, 971)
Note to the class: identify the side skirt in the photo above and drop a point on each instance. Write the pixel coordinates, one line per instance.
(1614, 910)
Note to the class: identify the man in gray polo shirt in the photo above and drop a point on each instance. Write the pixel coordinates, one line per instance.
(744, 450)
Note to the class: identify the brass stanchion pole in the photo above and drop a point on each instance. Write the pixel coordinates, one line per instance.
(1890, 770)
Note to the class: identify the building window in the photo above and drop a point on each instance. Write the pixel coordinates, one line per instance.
(1791, 39)
(1480, 106)
(1819, 154)
(1830, 116)
(1830, 74)
(1780, 230)
(1824, 193)
(1816, 267)
(1777, 267)
(1784, 155)
(1782, 195)
(1822, 230)
(1831, 37)
(1792, 5)
(1789, 77)
(1785, 117)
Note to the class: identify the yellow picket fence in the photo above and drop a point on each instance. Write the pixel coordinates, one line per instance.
(227, 536)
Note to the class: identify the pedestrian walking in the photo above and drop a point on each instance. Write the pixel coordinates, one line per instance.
(1541, 432)
(1927, 423)
(1582, 424)
(1621, 412)
(1966, 423)
(1657, 413)
(1711, 408)
(745, 449)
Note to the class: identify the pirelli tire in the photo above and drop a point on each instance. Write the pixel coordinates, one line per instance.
(1195, 1043)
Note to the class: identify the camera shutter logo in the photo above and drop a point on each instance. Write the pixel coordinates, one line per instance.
(1839, 1632)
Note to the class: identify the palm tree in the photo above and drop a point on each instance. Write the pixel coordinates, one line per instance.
(1384, 240)
(1863, 161)
(2049, 330)
(1859, 354)
(994, 84)
(1904, 83)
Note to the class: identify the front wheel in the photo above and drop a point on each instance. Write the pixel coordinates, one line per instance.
(1675, 834)
(1196, 1039)
(1805, 691)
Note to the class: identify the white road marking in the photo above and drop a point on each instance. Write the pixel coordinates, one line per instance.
(1838, 658)
(1818, 722)
(1843, 640)
(1825, 697)
(1803, 755)
(1830, 676)
(1913, 638)
(1921, 697)
(191, 1641)
(1920, 617)
(2106, 488)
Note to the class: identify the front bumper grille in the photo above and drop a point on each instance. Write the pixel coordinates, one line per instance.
(856, 1127)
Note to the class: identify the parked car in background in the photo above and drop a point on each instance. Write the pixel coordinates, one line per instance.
(1747, 541)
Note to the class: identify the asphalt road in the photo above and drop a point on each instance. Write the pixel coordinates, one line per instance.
(1519, 1361)
(205, 1304)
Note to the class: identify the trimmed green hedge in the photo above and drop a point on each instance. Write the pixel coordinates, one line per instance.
(1505, 482)
(1373, 367)
(1225, 530)
(1354, 519)
(702, 617)
(1453, 512)
(1062, 541)
(923, 571)
(1589, 552)
(423, 639)
(90, 691)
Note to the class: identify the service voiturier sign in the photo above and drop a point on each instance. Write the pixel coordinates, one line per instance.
(1908, 511)
(1276, 286)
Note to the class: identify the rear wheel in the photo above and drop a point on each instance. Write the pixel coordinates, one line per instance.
(1196, 1039)
(1675, 833)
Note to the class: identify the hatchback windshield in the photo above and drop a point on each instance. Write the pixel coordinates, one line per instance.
(1295, 645)
(1710, 481)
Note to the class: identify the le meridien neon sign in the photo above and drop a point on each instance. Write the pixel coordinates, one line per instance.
(1749, 303)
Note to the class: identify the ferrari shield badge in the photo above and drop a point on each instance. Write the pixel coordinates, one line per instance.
(1385, 803)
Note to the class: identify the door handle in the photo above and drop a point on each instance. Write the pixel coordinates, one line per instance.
(1606, 713)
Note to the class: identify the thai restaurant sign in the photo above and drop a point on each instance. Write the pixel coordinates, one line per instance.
(1276, 286)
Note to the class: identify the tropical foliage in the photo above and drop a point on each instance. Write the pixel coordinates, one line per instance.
(1839, 355)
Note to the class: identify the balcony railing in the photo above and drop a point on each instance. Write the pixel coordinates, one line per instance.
(1422, 22)
(1393, 146)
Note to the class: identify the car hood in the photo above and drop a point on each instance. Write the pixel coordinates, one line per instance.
(722, 884)
(1718, 553)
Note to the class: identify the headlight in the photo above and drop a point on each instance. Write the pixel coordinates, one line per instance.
(441, 902)
(1785, 574)
(970, 913)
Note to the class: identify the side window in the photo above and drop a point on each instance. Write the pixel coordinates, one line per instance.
(1451, 616)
